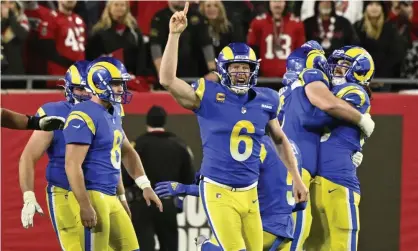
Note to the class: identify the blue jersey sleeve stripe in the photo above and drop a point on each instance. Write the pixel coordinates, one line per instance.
(40, 112)
(200, 91)
(81, 116)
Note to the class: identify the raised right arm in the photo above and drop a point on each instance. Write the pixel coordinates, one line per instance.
(181, 91)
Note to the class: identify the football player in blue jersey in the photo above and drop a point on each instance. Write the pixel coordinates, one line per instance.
(307, 89)
(53, 143)
(95, 148)
(232, 116)
(336, 188)
(18, 121)
(274, 185)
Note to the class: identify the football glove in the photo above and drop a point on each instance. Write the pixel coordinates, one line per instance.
(357, 158)
(46, 123)
(170, 188)
(30, 207)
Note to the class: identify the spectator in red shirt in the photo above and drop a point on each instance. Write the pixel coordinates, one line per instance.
(274, 36)
(62, 39)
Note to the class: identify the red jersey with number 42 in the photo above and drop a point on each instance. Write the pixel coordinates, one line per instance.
(290, 35)
(69, 35)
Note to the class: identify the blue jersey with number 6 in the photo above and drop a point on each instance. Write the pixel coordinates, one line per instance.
(231, 128)
(92, 124)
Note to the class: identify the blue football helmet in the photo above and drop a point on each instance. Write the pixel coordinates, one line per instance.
(302, 58)
(237, 53)
(102, 73)
(75, 77)
(313, 45)
(358, 62)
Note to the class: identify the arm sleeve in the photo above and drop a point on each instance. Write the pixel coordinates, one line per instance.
(79, 128)
(192, 190)
(94, 46)
(157, 31)
(141, 60)
(201, 29)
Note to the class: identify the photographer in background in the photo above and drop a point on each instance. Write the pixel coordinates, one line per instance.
(165, 157)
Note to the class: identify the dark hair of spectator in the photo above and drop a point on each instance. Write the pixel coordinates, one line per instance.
(333, 13)
(381, 3)
(156, 117)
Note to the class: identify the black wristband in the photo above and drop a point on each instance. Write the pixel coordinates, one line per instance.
(33, 122)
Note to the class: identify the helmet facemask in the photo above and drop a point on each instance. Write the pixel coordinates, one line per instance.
(239, 76)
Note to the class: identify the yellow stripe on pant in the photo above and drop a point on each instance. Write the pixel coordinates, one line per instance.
(234, 217)
(63, 218)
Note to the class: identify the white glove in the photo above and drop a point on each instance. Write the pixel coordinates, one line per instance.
(357, 158)
(50, 123)
(366, 124)
(30, 206)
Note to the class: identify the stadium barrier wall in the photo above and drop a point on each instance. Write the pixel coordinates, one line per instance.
(388, 175)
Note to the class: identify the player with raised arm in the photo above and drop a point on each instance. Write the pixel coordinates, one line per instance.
(62, 218)
(309, 89)
(232, 115)
(18, 121)
(336, 188)
(95, 148)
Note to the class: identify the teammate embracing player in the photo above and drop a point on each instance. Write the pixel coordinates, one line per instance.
(336, 189)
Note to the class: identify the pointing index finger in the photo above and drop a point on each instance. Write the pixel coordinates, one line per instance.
(186, 8)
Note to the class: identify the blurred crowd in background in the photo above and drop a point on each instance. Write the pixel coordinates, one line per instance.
(46, 37)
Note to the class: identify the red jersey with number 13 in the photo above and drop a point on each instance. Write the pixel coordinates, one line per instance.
(290, 34)
(68, 32)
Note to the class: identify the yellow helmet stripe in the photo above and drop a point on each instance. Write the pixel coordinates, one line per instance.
(75, 75)
(228, 53)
